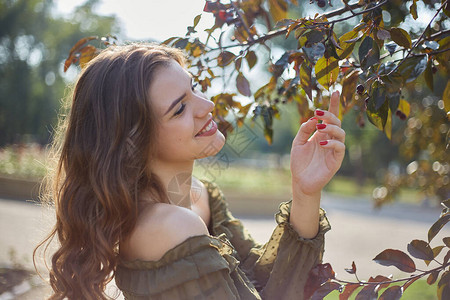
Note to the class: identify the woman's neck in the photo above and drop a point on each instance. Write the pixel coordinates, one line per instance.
(177, 180)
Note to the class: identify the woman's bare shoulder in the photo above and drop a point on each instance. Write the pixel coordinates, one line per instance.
(160, 228)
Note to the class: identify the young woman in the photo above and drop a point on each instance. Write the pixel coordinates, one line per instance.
(136, 122)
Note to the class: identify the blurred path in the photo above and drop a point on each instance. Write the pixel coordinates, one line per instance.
(358, 233)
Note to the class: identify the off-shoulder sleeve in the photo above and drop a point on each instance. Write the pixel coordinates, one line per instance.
(202, 267)
(279, 268)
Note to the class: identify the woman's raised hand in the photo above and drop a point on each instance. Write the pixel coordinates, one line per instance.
(317, 150)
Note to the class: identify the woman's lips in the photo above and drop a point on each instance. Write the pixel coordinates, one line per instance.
(209, 129)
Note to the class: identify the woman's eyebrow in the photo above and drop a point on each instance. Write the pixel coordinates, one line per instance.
(175, 102)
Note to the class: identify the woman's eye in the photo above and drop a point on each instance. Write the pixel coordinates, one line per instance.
(194, 86)
(180, 110)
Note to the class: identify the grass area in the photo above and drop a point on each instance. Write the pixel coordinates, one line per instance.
(419, 290)
(273, 181)
(246, 179)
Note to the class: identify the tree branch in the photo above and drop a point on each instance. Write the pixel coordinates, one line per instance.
(419, 39)
(274, 33)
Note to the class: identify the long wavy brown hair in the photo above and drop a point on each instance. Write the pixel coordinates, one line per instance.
(104, 149)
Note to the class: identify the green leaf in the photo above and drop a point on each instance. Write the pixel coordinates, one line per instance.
(429, 75)
(243, 85)
(327, 71)
(420, 249)
(437, 226)
(347, 47)
(305, 79)
(379, 94)
(251, 59)
(378, 116)
(364, 48)
(401, 37)
(396, 258)
(412, 68)
(372, 57)
(393, 293)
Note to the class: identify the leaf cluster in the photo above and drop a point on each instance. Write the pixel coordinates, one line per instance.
(322, 279)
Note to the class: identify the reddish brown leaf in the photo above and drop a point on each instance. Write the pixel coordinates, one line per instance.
(420, 249)
(447, 257)
(446, 241)
(348, 87)
(367, 293)
(443, 291)
(380, 279)
(325, 289)
(80, 43)
(397, 258)
(251, 59)
(352, 270)
(437, 226)
(409, 282)
(433, 277)
(316, 277)
(243, 85)
(393, 293)
(225, 58)
(348, 290)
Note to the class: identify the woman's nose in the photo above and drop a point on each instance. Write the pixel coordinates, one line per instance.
(203, 105)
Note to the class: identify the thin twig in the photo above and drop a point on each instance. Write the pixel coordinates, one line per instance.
(394, 281)
(334, 13)
(419, 39)
(243, 21)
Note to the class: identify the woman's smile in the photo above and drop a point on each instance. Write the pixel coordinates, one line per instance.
(209, 129)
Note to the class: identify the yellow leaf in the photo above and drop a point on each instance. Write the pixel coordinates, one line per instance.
(404, 107)
(388, 126)
(446, 97)
(327, 71)
(278, 9)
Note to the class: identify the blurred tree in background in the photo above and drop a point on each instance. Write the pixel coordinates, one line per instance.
(34, 42)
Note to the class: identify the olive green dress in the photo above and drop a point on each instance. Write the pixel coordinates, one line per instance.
(228, 263)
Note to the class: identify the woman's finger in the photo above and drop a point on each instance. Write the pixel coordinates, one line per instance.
(334, 103)
(333, 131)
(305, 131)
(337, 146)
(328, 117)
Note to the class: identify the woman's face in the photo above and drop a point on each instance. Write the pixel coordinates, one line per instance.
(186, 130)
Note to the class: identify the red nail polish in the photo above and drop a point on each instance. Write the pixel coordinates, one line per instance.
(313, 118)
(323, 143)
(321, 126)
(320, 112)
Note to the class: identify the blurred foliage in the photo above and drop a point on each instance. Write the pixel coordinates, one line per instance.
(34, 41)
(23, 161)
